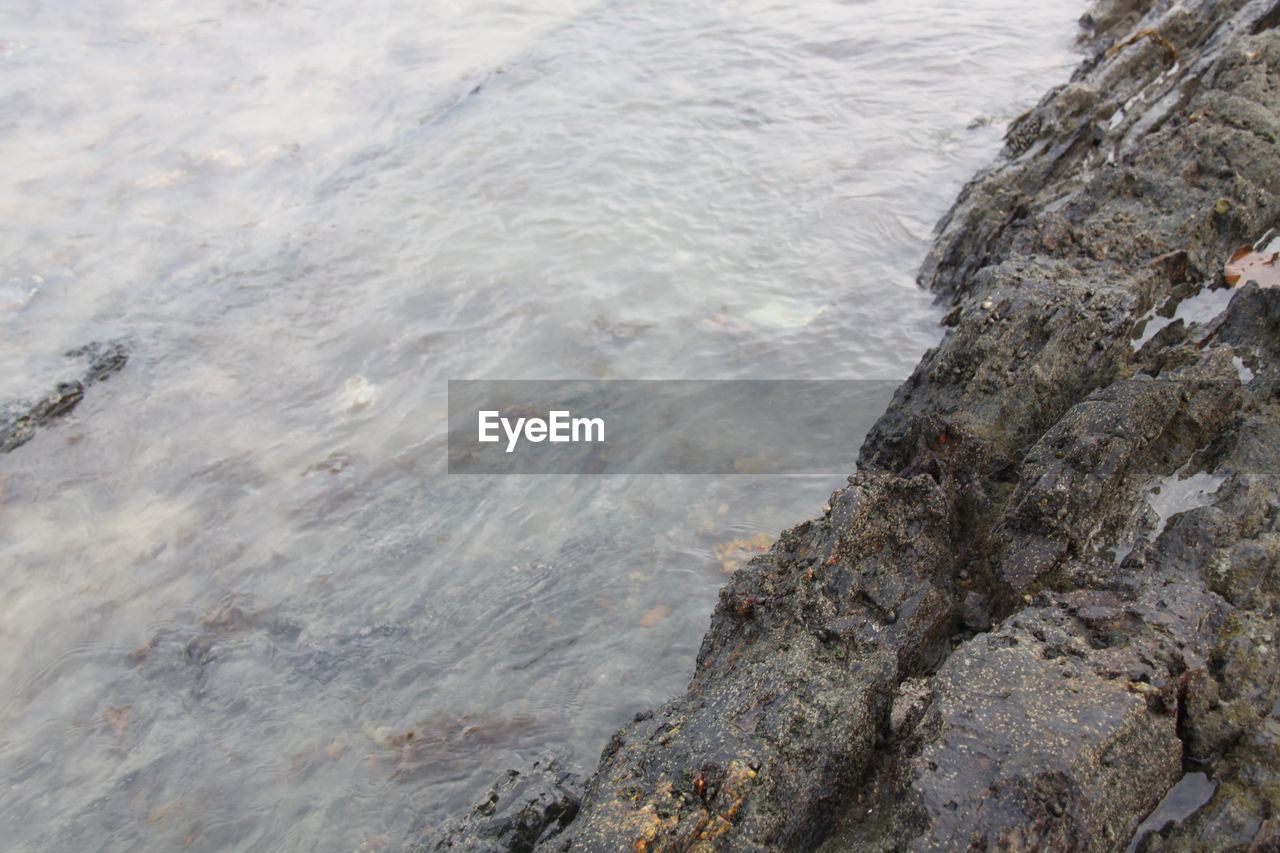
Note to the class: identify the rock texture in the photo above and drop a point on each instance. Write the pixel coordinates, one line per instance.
(524, 809)
(991, 639)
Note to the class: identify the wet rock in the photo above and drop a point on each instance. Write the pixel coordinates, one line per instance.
(793, 691)
(1240, 815)
(1025, 749)
(1191, 792)
(1079, 477)
(1103, 170)
(524, 809)
(19, 419)
(975, 612)
(909, 705)
(104, 359)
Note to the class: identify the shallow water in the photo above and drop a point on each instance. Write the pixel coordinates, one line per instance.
(237, 576)
(1201, 308)
(1182, 801)
(1172, 495)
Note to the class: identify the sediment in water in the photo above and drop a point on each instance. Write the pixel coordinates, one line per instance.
(982, 642)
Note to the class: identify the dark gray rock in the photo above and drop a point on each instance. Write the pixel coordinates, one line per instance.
(19, 419)
(524, 809)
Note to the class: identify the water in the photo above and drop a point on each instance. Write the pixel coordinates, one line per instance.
(1179, 493)
(1202, 308)
(1172, 495)
(237, 577)
(1183, 800)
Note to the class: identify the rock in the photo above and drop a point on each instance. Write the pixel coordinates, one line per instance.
(1241, 814)
(19, 419)
(104, 359)
(524, 809)
(1024, 750)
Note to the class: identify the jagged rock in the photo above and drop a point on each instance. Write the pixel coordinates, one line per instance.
(522, 810)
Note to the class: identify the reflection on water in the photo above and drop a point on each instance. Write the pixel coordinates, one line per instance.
(244, 607)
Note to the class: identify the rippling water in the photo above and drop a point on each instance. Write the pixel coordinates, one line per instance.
(237, 576)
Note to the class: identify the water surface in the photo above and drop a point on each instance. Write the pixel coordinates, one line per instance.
(237, 577)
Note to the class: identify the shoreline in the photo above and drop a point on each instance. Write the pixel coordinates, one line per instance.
(1016, 627)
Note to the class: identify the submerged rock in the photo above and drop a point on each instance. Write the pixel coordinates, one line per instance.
(19, 419)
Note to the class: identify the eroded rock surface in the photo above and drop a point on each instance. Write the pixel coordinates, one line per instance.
(991, 639)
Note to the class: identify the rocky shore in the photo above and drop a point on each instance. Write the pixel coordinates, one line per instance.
(1050, 592)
